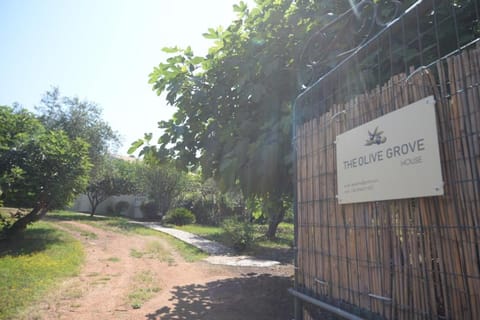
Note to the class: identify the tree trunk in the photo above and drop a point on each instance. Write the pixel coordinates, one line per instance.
(21, 224)
(94, 208)
(93, 203)
(275, 215)
(272, 229)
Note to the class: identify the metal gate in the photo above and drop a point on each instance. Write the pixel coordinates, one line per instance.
(413, 258)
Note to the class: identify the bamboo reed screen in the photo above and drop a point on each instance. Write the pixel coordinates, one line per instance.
(400, 259)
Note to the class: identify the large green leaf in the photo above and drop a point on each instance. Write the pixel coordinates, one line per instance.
(171, 49)
(135, 146)
(211, 34)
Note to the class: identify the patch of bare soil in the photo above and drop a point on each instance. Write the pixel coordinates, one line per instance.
(141, 277)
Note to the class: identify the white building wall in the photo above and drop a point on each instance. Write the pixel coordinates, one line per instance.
(82, 204)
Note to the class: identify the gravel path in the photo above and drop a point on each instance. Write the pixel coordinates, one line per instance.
(208, 246)
(219, 254)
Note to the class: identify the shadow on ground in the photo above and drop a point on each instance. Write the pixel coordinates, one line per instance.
(260, 297)
(74, 216)
(30, 241)
(282, 255)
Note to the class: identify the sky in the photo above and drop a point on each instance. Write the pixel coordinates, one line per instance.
(101, 51)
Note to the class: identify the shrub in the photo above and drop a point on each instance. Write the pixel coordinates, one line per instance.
(206, 212)
(179, 217)
(238, 233)
(149, 209)
(289, 215)
(121, 206)
(203, 207)
(109, 210)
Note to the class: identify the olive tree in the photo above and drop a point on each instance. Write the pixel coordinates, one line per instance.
(161, 183)
(39, 169)
(114, 177)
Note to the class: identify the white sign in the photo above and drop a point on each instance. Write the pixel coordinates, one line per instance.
(395, 156)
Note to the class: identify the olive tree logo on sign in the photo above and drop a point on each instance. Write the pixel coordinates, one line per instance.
(375, 137)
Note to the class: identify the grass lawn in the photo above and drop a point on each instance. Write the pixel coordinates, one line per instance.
(280, 248)
(33, 265)
(120, 224)
(209, 232)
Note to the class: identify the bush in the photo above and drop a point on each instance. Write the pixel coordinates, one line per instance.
(109, 210)
(204, 208)
(206, 212)
(238, 233)
(179, 217)
(121, 206)
(149, 209)
(289, 215)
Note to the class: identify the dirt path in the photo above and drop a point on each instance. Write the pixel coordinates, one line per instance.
(121, 271)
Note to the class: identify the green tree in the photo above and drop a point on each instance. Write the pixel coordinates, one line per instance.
(17, 127)
(79, 119)
(115, 177)
(209, 205)
(126, 169)
(234, 105)
(39, 169)
(162, 183)
(108, 185)
(83, 119)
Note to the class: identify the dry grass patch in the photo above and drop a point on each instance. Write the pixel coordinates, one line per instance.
(143, 289)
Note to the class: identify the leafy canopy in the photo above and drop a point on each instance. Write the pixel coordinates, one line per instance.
(113, 177)
(233, 115)
(38, 164)
(234, 105)
(79, 119)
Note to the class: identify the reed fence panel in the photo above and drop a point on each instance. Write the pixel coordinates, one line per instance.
(399, 259)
